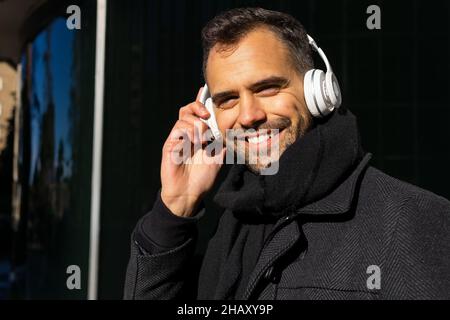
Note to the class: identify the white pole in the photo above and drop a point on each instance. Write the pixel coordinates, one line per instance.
(97, 150)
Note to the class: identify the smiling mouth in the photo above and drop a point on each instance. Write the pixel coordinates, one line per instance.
(259, 137)
(263, 137)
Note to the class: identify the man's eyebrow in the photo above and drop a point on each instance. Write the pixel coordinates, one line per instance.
(273, 80)
(222, 95)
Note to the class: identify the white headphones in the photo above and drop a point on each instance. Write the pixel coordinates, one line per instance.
(205, 98)
(321, 89)
(322, 93)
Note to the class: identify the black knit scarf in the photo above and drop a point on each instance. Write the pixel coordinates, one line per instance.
(309, 169)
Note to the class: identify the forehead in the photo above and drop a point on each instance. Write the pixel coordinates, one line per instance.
(257, 55)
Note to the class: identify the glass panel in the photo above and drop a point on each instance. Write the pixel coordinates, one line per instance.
(56, 151)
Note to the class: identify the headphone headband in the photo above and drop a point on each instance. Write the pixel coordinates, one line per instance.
(320, 52)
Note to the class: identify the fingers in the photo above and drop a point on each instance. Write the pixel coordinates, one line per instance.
(189, 118)
(190, 129)
(195, 108)
(189, 136)
(178, 141)
(195, 121)
(181, 130)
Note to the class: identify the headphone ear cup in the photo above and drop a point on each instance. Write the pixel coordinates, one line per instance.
(332, 90)
(308, 90)
(319, 95)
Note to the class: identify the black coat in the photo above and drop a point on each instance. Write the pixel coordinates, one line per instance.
(329, 250)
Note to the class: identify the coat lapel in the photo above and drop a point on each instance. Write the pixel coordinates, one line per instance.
(281, 243)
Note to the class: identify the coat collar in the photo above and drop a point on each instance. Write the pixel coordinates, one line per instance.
(309, 170)
(337, 202)
(341, 198)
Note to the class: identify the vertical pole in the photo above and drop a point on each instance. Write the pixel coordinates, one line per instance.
(97, 150)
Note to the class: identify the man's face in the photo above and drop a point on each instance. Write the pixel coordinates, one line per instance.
(254, 85)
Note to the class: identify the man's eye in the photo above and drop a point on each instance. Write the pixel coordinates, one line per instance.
(269, 91)
(227, 103)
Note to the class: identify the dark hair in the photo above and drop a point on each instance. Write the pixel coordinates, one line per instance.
(229, 27)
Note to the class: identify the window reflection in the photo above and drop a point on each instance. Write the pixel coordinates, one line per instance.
(56, 142)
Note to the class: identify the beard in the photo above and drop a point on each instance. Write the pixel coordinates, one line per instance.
(282, 132)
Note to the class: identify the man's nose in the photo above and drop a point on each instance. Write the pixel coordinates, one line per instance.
(251, 113)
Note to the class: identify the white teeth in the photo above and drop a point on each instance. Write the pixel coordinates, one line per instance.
(259, 139)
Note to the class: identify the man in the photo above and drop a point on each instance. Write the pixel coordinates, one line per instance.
(327, 225)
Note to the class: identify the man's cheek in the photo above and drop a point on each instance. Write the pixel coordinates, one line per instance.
(225, 121)
(282, 105)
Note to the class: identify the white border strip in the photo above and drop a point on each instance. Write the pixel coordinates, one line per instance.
(97, 150)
